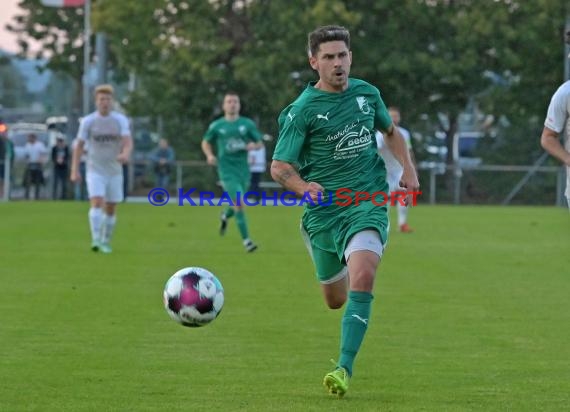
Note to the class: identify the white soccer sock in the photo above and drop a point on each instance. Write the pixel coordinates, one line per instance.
(108, 227)
(402, 214)
(95, 220)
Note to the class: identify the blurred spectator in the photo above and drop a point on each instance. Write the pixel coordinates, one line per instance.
(6, 153)
(162, 161)
(257, 165)
(79, 188)
(35, 154)
(60, 160)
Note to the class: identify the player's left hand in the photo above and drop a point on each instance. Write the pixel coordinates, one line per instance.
(410, 183)
(252, 146)
(315, 191)
(123, 158)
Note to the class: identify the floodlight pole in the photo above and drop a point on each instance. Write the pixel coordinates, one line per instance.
(567, 46)
(101, 53)
(86, 55)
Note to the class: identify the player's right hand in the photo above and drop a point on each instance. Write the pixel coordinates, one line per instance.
(313, 189)
(75, 177)
(409, 181)
(212, 161)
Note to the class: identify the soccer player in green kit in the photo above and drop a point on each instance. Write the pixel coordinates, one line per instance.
(233, 135)
(328, 134)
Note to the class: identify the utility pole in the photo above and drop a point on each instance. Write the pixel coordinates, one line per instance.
(86, 55)
(101, 52)
(559, 194)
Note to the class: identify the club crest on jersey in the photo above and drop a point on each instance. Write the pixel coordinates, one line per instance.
(242, 130)
(363, 104)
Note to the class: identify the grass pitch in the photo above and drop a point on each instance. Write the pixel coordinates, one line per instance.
(471, 312)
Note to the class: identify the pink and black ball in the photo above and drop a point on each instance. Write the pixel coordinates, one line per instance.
(193, 297)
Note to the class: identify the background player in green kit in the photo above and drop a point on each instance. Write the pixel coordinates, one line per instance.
(233, 135)
(328, 132)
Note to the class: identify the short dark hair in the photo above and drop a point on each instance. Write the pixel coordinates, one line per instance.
(325, 34)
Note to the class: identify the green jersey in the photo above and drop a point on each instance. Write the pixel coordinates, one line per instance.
(230, 139)
(330, 137)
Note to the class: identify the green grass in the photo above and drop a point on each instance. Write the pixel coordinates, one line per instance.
(471, 313)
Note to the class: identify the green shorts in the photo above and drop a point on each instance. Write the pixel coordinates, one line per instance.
(233, 187)
(327, 236)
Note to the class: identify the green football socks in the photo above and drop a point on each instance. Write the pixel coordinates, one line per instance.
(242, 224)
(354, 325)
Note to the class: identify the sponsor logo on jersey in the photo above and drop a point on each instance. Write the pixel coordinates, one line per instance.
(347, 128)
(105, 138)
(235, 145)
(363, 104)
(354, 140)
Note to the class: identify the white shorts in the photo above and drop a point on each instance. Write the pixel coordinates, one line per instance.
(108, 187)
(365, 240)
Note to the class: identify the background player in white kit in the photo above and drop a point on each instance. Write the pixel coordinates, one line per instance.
(394, 169)
(557, 120)
(110, 146)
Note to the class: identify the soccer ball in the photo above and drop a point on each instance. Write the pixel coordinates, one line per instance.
(193, 297)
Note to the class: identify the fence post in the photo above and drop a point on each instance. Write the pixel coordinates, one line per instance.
(457, 173)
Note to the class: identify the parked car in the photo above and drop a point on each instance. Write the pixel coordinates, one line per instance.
(18, 134)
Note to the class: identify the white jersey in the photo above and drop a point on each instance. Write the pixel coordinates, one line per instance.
(394, 169)
(558, 119)
(257, 160)
(105, 137)
(35, 152)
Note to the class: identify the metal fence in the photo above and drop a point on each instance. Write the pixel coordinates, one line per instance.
(440, 184)
(506, 184)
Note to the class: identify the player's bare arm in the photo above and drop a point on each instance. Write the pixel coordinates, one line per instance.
(285, 174)
(127, 148)
(550, 141)
(77, 153)
(207, 150)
